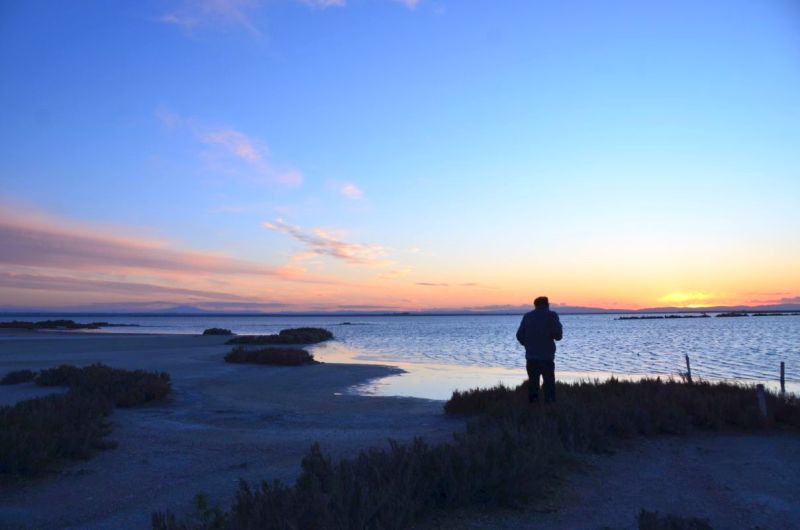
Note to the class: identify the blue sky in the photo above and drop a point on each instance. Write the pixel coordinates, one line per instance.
(614, 152)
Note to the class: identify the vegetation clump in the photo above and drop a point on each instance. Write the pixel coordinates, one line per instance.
(36, 434)
(276, 356)
(510, 453)
(217, 331)
(52, 324)
(286, 336)
(124, 388)
(733, 314)
(17, 376)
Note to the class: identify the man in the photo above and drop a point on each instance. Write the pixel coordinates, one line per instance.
(538, 332)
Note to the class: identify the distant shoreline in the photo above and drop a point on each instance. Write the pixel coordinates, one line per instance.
(400, 314)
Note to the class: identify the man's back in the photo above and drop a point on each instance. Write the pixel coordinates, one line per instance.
(538, 332)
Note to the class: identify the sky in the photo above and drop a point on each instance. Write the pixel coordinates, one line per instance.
(399, 154)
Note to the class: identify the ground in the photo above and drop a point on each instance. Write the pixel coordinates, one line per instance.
(227, 422)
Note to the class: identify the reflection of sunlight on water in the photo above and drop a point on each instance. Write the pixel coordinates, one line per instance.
(438, 381)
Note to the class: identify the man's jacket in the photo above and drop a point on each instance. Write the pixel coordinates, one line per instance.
(538, 332)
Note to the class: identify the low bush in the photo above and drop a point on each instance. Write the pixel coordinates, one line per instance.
(617, 408)
(276, 356)
(17, 376)
(286, 336)
(36, 434)
(124, 388)
(217, 331)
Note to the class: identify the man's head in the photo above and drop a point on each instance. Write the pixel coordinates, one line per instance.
(541, 303)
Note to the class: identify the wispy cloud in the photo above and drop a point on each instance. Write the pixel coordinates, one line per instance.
(410, 4)
(45, 282)
(41, 244)
(324, 243)
(231, 151)
(351, 191)
(395, 274)
(464, 284)
(196, 13)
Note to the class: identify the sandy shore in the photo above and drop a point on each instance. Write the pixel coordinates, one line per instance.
(223, 423)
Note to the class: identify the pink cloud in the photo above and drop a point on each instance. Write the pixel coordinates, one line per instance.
(12, 280)
(351, 191)
(323, 243)
(231, 151)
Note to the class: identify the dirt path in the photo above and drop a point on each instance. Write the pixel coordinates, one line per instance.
(734, 481)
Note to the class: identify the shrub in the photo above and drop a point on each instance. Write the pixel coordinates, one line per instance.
(217, 331)
(286, 336)
(36, 433)
(277, 356)
(124, 388)
(17, 376)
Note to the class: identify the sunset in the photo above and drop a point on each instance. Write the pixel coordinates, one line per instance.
(241, 237)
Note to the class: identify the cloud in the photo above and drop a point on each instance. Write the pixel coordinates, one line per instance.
(231, 151)
(28, 242)
(324, 3)
(395, 274)
(685, 297)
(410, 4)
(465, 284)
(323, 243)
(351, 191)
(69, 284)
(195, 13)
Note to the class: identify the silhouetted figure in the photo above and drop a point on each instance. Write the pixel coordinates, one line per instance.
(538, 332)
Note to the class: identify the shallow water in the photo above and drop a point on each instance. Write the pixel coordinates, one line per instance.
(442, 351)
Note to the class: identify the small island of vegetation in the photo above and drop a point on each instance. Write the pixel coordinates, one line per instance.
(58, 325)
(660, 317)
(274, 356)
(217, 331)
(286, 336)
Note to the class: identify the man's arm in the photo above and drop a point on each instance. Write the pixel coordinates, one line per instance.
(521, 332)
(558, 330)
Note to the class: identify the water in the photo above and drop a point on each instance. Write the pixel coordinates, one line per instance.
(446, 352)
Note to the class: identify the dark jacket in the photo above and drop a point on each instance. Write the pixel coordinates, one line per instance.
(538, 332)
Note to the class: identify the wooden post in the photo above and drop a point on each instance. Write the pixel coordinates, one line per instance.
(688, 369)
(762, 401)
(783, 378)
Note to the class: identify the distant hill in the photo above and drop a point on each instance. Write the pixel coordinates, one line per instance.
(167, 308)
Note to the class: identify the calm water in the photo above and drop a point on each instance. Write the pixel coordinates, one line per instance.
(482, 349)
